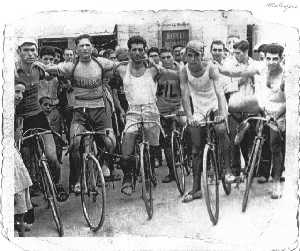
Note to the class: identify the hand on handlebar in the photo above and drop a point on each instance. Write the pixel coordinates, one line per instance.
(192, 121)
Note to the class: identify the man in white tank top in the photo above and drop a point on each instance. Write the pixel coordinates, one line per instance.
(200, 80)
(140, 90)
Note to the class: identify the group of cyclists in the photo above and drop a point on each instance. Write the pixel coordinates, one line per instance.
(111, 91)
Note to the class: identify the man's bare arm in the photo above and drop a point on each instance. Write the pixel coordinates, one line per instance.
(222, 104)
(62, 69)
(106, 63)
(235, 73)
(185, 93)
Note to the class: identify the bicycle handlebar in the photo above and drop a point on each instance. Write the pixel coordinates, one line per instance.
(148, 122)
(43, 132)
(177, 114)
(86, 133)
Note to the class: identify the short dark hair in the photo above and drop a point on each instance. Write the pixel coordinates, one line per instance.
(274, 49)
(153, 49)
(136, 40)
(41, 100)
(217, 42)
(58, 50)
(47, 50)
(82, 37)
(177, 45)
(242, 45)
(108, 52)
(262, 48)
(162, 50)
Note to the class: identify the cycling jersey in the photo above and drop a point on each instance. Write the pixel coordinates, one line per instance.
(168, 92)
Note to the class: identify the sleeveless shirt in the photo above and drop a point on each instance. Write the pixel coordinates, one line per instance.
(203, 94)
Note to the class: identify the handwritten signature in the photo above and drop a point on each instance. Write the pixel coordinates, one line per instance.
(284, 6)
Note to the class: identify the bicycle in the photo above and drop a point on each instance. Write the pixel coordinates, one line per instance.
(93, 192)
(212, 170)
(179, 156)
(42, 170)
(143, 165)
(253, 163)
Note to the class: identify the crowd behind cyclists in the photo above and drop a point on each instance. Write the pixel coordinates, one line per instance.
(77, 89)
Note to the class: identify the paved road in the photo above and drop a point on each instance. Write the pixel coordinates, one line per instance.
(172, 218)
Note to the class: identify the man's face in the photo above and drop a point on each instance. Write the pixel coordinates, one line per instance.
(167, 59)
(57, 58)
(261, 56)
(68, 55)
(217, 52)
(176, 53)
(273, 61)
(19, 91)
(113, 57)
(47, 59)
(154, 57)
(230, 42)
(28, 53)
(137, 52)
(193, 57)
(46, 106)
(240, 55)
(84, 48)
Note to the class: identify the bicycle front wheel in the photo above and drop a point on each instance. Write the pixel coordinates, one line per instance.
(252, 163)
(51, 197)
(93, 193)
(146, 174)
(211, 183)
(177, 162)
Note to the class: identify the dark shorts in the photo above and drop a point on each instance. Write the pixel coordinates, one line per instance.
(36, 121)
(93, 118)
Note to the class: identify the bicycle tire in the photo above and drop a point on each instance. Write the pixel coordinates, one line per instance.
(210, 170)
(146, 174)
(51, 197)
(226, 186)
(252, 164)
(177, 163)
(92, 191)
(187, 157)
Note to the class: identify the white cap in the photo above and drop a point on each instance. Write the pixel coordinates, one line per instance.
(27, 40)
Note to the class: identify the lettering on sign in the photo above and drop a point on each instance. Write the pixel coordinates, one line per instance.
(174, 37)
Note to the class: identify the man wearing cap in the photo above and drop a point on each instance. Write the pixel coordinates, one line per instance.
(31, 72)
(201, 80)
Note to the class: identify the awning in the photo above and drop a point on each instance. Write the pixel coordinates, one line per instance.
(65, 24)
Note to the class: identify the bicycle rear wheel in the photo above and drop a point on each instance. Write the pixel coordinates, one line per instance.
(93, 193)
(211, 184)
(146, 174)
(252, 164)
(187, 156)
(51, 197)
(177, 162)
